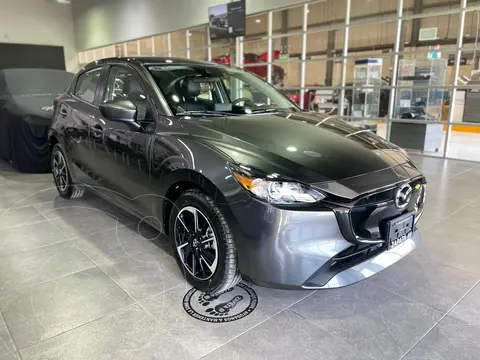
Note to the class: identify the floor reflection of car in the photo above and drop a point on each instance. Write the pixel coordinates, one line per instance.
(285, 198)
(257, 64)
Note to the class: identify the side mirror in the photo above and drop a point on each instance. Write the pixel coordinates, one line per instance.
(120, 110)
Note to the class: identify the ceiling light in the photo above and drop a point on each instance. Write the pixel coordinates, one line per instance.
(292, 148)
(258, 21)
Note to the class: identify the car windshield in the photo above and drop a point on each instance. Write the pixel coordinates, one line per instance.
(212, 90)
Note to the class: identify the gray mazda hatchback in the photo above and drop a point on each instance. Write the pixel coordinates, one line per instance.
(241, 180)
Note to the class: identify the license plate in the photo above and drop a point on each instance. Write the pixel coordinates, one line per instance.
(399, 229)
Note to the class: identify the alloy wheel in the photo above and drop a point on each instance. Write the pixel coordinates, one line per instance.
(196, 243)
(59, 168)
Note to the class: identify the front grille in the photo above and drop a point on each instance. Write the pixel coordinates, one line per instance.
(366, 219)
(377, 198)
(370, 213)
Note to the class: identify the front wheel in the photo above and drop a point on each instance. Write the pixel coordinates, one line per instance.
(203, 243)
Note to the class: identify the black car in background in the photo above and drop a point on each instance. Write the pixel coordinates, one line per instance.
(263, 190)
(26, 112)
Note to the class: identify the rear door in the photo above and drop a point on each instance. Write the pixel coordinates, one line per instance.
(78, 110)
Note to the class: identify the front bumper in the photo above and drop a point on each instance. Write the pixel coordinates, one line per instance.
(371, 266)
(286, 248)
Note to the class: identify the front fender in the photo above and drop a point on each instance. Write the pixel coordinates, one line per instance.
(185, 162)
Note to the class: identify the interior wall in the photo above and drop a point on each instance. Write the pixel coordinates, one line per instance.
(104, 22)
(39, 22)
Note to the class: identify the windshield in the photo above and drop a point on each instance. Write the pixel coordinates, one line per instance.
(207, 89)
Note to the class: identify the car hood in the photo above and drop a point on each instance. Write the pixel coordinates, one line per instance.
(324, 151)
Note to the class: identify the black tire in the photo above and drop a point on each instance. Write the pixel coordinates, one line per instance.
(226, 274)
(66, 188)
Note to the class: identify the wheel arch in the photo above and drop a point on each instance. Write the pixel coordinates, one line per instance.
(52, 140)
(187, 180)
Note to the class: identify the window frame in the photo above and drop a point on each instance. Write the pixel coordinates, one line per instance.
(106, 77)
(108, 72)
(97, 87)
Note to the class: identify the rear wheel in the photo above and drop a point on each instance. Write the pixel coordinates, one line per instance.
(61, 175)
(203, 243)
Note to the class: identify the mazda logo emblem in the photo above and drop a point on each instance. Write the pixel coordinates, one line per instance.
(403, 196)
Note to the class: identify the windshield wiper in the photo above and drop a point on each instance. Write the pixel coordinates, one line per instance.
(264, 111)
(206, 113)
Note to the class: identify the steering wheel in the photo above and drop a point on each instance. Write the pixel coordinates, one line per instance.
(244, 99)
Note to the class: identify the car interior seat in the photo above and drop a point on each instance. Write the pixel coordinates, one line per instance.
(189, 90)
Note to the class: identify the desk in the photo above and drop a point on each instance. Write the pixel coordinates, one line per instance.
(421, 137)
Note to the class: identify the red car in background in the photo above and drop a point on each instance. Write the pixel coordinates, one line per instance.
(278, 74)
(308, 97)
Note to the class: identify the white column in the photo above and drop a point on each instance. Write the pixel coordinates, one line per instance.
(209, 45)
(303, 57)
(270, 47)
(125, 49)
(456, 70)
(138, 48)
(187, 42)
(152, 39)
(240, 52)
(393, 82)
(343, 74)
(169, 44)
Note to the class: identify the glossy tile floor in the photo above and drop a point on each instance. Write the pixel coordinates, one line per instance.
(81, 279)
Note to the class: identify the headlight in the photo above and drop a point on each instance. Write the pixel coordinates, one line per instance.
(278, 192)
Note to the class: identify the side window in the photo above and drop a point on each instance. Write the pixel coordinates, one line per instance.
(87, 84)
(124, 83)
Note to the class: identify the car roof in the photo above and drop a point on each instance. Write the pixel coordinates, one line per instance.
(151, 60)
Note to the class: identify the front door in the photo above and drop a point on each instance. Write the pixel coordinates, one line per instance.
(124, 153)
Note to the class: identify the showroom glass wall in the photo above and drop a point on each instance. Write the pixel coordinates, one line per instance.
(401, 66)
